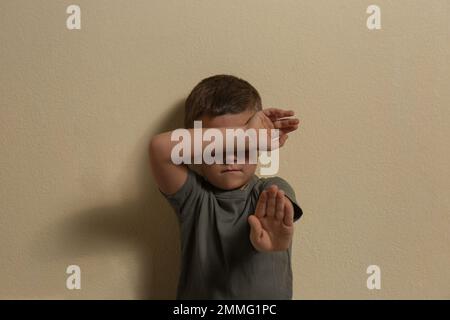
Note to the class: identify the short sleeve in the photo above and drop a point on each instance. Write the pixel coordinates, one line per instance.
(289, 192)
(187, 198)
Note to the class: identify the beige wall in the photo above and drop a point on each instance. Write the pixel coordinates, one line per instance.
(369, 164)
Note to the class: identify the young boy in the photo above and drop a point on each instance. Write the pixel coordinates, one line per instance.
(236, 229)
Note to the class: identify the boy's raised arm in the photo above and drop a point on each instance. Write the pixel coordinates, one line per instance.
(171, 176)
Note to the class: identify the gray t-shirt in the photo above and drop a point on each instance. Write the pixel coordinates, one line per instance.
(218, 260)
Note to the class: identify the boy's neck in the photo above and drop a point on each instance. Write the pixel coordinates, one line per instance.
(244, 186)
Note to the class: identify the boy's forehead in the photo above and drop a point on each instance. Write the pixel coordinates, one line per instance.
(227, 120)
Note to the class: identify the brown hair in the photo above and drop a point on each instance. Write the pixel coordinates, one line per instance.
(218, 95)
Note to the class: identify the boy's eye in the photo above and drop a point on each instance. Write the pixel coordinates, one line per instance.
(246, 155)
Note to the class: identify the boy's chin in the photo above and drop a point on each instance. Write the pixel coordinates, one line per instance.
(230, 183)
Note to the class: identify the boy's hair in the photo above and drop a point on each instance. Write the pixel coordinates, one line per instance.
(218, 95)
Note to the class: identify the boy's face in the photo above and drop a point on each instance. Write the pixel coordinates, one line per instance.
(233, 175)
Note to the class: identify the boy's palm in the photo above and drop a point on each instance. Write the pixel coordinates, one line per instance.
(272, 225)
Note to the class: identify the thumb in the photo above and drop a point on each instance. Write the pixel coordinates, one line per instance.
(255, 227)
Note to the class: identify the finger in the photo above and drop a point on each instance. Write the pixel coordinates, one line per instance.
(283, 123)
(283, 139)
(256, 230)
(272, 193)
(288, 213)
(260, 210)
(288, 129)
(275, 113)
(279, 212)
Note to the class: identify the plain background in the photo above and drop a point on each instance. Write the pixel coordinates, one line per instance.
(369, 164)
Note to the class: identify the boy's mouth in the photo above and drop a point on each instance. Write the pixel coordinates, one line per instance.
(227, 170)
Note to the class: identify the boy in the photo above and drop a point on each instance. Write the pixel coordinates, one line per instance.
(236, 229)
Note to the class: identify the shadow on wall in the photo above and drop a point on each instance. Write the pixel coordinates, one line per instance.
(146, 224)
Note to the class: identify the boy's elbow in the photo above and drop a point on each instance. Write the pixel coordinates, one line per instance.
(155, 146)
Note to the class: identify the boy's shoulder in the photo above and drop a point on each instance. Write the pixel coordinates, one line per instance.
(265, 182)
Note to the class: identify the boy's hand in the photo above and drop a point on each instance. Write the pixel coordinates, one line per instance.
(273, 118)
(272, 225)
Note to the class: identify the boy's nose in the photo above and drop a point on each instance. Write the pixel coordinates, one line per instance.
(230, 158)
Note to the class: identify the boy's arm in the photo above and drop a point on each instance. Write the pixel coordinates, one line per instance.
(170, 177)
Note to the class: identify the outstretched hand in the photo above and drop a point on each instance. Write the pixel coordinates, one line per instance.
(272, 225)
